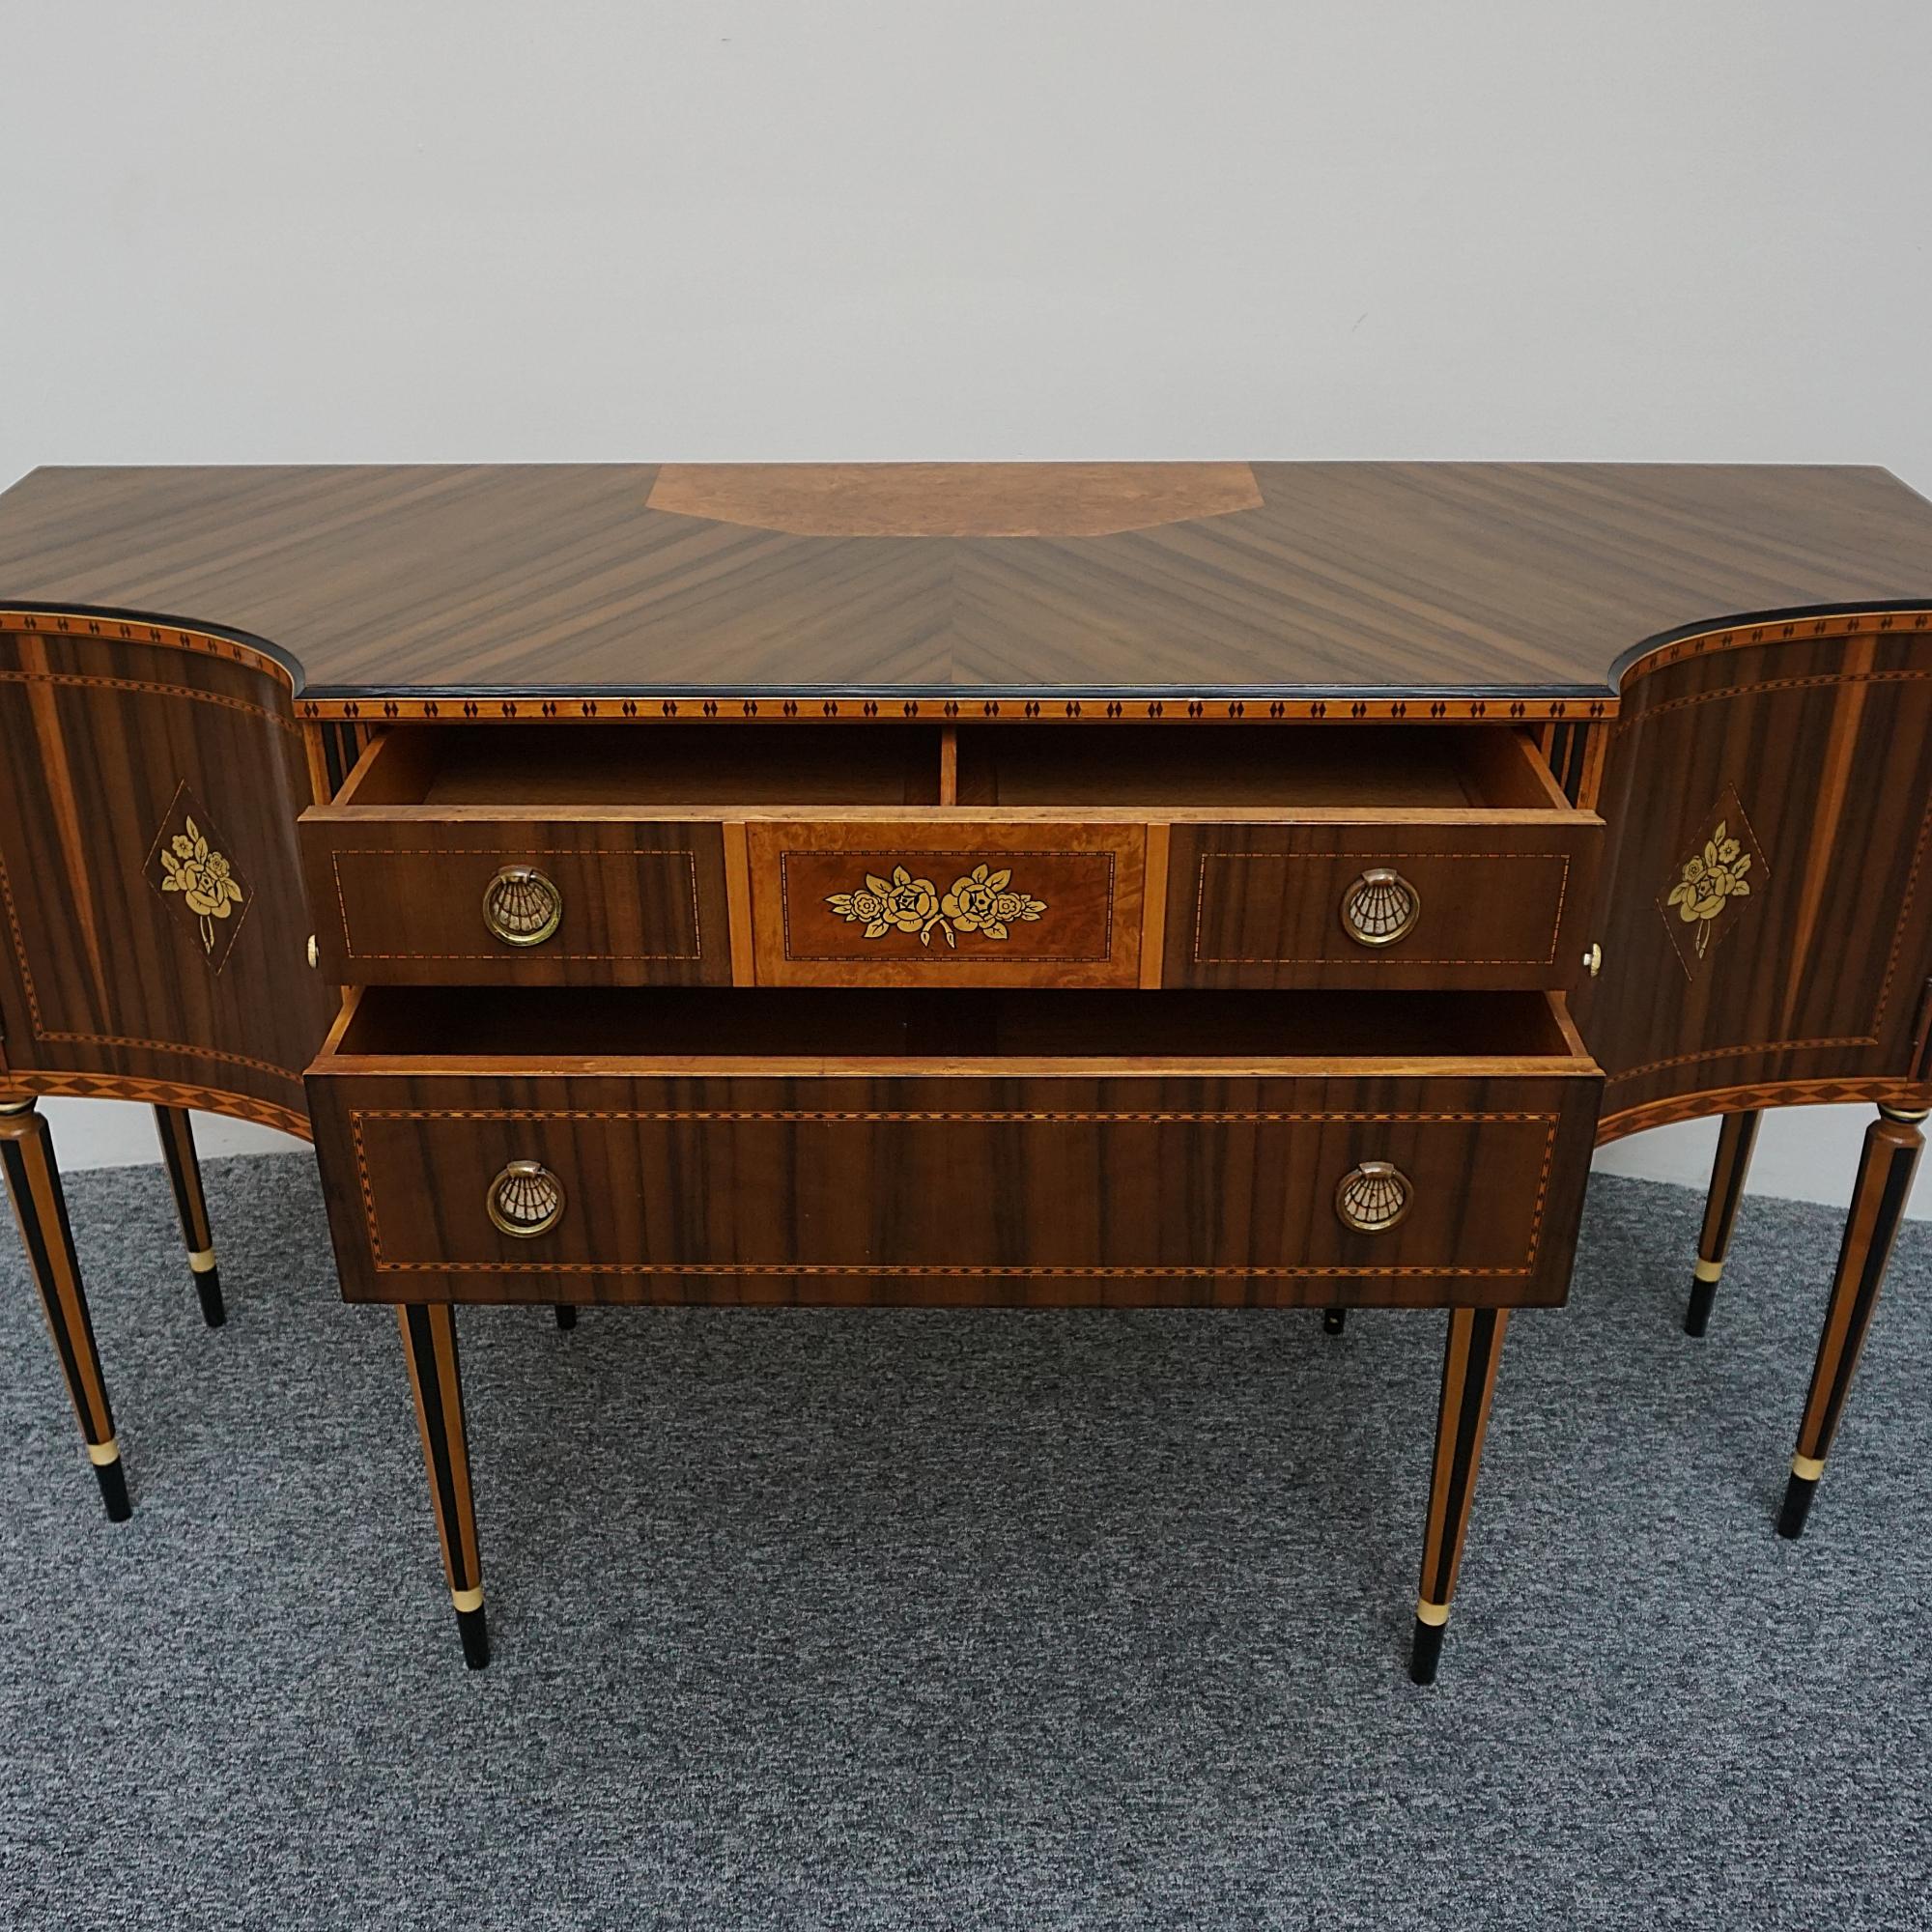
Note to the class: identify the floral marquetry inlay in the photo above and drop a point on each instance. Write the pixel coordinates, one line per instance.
(188, 866)
(981, 902)
(1715, 883)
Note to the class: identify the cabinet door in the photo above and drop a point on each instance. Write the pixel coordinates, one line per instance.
(1768, 919)
(155, 928)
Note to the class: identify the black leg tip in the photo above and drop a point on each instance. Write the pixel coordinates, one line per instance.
(1425, 1653)
(1798, 1495)
(475, 1633)
(1697, 1314)
(566, 1315)
(213, 1311)
(113, 1480)
(1334, 1320)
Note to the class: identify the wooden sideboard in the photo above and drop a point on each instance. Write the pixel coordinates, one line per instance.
(1072, 885)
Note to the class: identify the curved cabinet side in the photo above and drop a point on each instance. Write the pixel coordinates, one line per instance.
(1767, 923)
(153, 923)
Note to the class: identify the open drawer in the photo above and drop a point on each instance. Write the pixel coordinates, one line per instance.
(919, 1147)
(927, 856)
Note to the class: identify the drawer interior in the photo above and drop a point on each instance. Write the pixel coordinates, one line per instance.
(1206, 769)
(897, 1023)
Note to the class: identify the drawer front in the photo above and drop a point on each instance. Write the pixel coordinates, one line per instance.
(964, 1190)
(1450, 907)
(517, 902)
(906, 903)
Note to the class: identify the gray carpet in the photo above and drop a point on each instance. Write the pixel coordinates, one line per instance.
(939, 1620)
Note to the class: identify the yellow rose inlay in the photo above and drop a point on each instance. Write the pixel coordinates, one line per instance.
(979, 901)
(1712, 879)
(202, 876)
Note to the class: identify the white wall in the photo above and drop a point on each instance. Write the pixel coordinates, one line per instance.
(253, 231)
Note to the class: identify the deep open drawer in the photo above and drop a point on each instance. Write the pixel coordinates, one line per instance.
(974, 1146)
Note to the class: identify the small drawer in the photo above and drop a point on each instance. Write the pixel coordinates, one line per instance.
(918, 1146)
(526, 856)
(1472, 870)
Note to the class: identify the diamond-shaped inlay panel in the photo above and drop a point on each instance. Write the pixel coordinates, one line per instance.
(191, 868)
(1717, 883)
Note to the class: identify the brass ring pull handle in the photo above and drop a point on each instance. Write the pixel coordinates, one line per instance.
(525, 1199)
(1372, 1197)
(1380, 907)
(522, 906)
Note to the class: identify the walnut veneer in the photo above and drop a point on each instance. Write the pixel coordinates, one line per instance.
(1018, 885)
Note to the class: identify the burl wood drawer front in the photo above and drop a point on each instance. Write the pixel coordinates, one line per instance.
(463, 902)
(1449, 906)
(926, 903)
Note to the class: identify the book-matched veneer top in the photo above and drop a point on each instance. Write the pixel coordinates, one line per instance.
(964, 581)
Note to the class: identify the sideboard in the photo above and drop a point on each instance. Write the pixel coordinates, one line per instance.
(1202, 884)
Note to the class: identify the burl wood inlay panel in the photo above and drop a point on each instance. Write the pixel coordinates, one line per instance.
(967, 1189)
(914, 904)
(953, 499)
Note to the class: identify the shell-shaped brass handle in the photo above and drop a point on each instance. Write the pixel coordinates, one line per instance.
(1380, 907)
(1372, 1197)
(525, 1199)
(522, 906)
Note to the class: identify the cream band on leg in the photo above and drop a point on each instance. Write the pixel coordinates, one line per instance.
(1427, 1612)
(1708, 1270)
(468, 1600)
(100, 1454)
(1807, 1467)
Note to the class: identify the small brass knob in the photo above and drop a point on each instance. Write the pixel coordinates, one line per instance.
(1593, 960)
(1372, 1197)
(314, 952)
(1380, 907)
(522, 906)
(525, 1199)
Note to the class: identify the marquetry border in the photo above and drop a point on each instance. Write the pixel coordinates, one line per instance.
(1380, 959)
(1067, 708)
(1837, 1090)
(162, 1093)
(174, 636)
(1647, 659)
(1110, 1116)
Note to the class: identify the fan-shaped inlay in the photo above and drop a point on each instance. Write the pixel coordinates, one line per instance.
(955, 499)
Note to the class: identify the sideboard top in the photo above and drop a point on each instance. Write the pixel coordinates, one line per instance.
(952, 580)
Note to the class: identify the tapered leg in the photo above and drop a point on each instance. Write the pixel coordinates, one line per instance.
(27, 1153)
(1469, 1382)
(184, 1175)
(429, 1343)
(1738, 1135)
(1334, 1320)
(566, 1315)
(1892, 1150)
